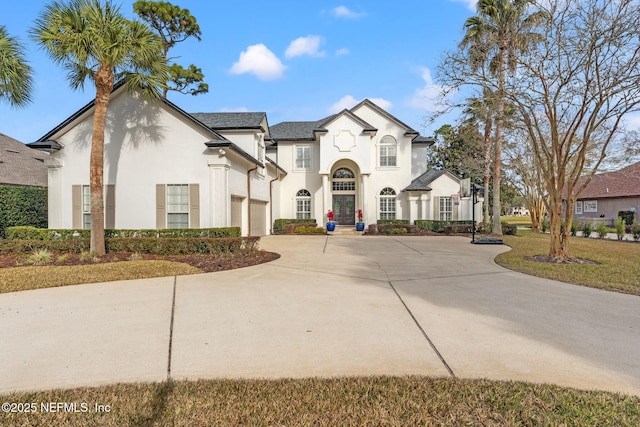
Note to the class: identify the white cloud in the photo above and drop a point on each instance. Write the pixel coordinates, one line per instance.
(345, 12)
(348, 101)
(426, 98)
(343, 51)
(259, 60)
(305, 46)
(471, 4)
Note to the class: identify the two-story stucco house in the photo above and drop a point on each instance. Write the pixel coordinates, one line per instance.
(165, 168)
(362, 159)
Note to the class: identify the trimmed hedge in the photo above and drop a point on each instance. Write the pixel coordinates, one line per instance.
(393, 221)
(280, 225)
(627, 216)
(22, 206)
(458, 228)
(396, 228)
(32, 233)
(437, 226)
(147, 245)
(308, 229)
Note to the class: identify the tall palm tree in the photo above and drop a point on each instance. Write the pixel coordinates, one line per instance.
(501, 30)
(15, 72)
(94, 41)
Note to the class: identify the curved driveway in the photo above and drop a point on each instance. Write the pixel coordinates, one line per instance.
(330, 306)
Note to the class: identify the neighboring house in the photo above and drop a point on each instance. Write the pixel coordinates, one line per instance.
(609, 193)
(362, 158)
(163, 169)
(19, 165)
(518, 210)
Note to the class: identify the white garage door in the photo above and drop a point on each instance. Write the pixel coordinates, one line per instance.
(258, 218)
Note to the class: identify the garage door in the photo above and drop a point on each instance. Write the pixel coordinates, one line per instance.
(236, 211)
(258, 218)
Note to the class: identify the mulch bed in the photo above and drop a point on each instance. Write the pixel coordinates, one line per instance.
(552, 260)
(206, 263)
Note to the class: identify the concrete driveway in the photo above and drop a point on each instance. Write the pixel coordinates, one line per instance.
(330, 306)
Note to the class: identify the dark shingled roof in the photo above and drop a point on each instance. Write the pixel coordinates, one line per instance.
(219, 121)
(20, 165)
(296, 130)
(421, 183)
(622, 183)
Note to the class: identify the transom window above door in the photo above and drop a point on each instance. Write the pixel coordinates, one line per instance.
(343, 179)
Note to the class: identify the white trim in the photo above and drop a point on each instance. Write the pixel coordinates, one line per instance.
(590, 206)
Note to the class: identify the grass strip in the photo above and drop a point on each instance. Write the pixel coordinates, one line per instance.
(36, 277)
(619, 268)
(392, 401)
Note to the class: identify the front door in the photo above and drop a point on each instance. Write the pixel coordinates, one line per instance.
(344, 208)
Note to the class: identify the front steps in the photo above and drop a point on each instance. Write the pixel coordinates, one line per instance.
(345, 230)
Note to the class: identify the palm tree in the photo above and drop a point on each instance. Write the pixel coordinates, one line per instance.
(94, 41)
(15, 72)
(494, 38)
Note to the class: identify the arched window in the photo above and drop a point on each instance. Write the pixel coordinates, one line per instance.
(388, 203)
(303, 204)
(388, 151)
(343, 179)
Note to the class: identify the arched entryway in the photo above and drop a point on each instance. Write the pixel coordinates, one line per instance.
(344, 187)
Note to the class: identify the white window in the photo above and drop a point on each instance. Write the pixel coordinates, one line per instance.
(590, 206)
(446, 213)
(388, 151)
(303, 156)
(343, 179)
(178, 206)
(388, 203)
(579, 207)
(303, 204)
(86, 207)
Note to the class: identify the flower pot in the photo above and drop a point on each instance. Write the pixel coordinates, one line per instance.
(359, 226)
(331, 226)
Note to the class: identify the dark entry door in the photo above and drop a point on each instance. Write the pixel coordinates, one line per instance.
(344, 208)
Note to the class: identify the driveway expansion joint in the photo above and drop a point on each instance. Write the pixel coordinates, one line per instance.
(173, 312)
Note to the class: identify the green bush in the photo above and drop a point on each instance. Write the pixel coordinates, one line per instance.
(148, 245)
(627, 216)
(544, 225)
(390, 228)
(620, 227)
(393, 230)
(635, 230)
(458, 228)
(510, 229)
(307, 229)
(587, 228)
(280, 225)
(22, 206)
(32, 233)
(575, 225)
(436, 226)
(393, 221)
(602, 230)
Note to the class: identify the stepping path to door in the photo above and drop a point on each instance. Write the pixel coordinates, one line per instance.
(330, 306)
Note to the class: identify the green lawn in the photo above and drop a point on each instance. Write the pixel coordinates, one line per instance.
(619, 268)
(523, 221)
(364, 401)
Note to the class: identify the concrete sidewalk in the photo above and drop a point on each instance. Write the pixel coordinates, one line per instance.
(330, 306)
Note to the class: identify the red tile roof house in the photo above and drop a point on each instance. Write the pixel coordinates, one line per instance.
(609, 193)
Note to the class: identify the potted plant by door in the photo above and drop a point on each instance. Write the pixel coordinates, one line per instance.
(331, 226)
(359, 224)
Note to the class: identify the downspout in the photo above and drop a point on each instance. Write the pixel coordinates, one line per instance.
(249, 199)
(271, 200)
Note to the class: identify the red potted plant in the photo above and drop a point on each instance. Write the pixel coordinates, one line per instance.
(330, 217)
(359, 224)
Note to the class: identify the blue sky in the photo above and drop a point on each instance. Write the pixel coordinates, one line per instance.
(294, 60)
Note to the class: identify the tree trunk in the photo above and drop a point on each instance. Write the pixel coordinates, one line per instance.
(104, 85)
(488, 127)
(497, 153)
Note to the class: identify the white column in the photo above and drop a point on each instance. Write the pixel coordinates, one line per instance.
(220, 201)
(413, 207)
(424, 214)
(55, 200)
(325, 198)
(365, 201)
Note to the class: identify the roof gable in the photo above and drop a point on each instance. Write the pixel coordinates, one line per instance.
(424, 181)
(229, 121)
(622, 183)
(20, 165)
(368, 103)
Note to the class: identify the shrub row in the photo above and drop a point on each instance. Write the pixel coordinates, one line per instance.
(393, 221)
(32, 233)
(397, 228)
(22, 206)
(308, 229)
(279, 225)
(147, 245)
(436, 226)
